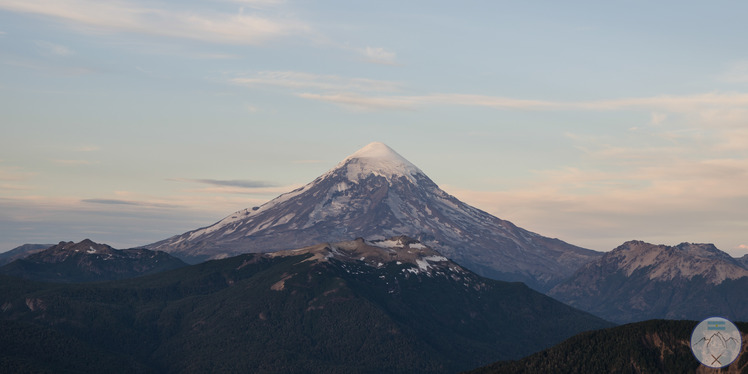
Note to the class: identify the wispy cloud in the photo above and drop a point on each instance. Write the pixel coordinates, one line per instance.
(43, 66)
(657, 118)
(215, 56)
(266, 193)
(379, 55)
(307, 161)
(717, 102)
(305, 81)
(127, 202)
(672, 103)
(236, 183)
(74, 162)
(110, 202)
(259, 3)
(14, 173)
(737, 72)
(49, 48)
(146, 18)
(255, 22)
(14, 187)
(363, 102)
(244, 187)
(87, 148)
(364, 93)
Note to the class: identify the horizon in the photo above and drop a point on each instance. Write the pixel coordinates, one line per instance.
(131, 122)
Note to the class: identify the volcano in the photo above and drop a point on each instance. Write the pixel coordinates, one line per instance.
(375, 194)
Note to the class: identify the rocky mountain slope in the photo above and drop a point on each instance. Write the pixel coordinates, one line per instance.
(87, 261)
(655, 346)
(639, 281)
(376, 193)
(359, 306)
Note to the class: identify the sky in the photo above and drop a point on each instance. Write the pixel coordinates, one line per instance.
(130, 121)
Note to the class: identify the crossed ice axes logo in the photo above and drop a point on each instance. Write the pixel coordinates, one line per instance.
(716, 359)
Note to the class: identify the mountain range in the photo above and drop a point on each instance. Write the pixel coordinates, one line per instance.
(389, 305)
(410, 294)
(639, 281)
(375, 193)
(87, 261)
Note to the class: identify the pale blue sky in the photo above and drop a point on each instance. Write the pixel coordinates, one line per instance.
(595, 122)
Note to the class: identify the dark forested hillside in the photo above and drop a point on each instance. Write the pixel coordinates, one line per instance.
(656, 346)
(282, 313)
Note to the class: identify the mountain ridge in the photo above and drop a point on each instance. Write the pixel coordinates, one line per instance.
(638, 281)
(21, 251)
(88, 261)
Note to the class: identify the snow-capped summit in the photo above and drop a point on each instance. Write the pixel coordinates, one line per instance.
(378, 159)
(375, 193)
